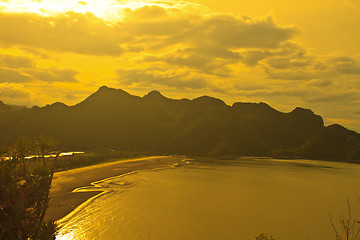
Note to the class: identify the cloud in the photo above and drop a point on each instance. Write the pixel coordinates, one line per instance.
(342, 95)
(233, 32)
(199, 62)
(320, 66)
(162, 28)
(306, 67)
(70, 96)
(346, 65)
(16, 61)
(226, 30)
(278, 91)
(192, 49)
(158, 76)
(212, 51)
(54, 75)
(207, 43)
(285, 63)
(12, 76)
(151, 27)
(298, 74)
(69, 32)
(146, 12)
(286, 55)
(37, 74)
(249, 86)
(298, 91)
(319, 83)
(252, 57)
(13, 91)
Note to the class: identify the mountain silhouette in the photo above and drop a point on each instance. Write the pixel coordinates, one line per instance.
(154, 124)
(4, 107)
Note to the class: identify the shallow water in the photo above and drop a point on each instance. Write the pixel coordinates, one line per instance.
(228, 199)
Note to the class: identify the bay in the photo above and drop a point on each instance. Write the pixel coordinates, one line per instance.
(221, 199)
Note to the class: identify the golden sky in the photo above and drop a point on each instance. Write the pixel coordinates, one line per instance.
(285, 53)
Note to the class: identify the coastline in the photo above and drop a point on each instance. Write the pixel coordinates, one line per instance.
(63, 200)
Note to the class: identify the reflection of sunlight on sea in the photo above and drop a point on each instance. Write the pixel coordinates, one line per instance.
(227, 200)
(66, 236)
(84, 219)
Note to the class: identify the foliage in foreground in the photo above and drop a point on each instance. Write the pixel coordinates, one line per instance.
(349, 228)
(264, 236)
(24, 193)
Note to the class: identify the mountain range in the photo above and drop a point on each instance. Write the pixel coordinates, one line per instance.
(154, 124)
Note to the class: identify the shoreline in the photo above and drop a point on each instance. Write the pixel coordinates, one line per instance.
(64, 201)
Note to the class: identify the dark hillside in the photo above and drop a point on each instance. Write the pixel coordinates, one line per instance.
(114, 119)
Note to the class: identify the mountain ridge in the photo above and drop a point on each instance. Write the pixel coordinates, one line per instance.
(114, 119)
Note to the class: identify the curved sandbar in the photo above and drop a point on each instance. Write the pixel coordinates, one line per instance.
(64, 200)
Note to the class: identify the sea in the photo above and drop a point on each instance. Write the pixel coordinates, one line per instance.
(233, 199)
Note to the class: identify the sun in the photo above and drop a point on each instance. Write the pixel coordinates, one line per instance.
(109, 10)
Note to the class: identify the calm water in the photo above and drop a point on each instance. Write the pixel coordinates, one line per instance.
(221, 200)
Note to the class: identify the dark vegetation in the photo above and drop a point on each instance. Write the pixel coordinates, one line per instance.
(264, 236)
(82, 160)
(25, 184)
(206, 126)
(348, 227)
(24, 192)
(87, 159)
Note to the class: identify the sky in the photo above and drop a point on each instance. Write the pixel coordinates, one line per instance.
(285, 53)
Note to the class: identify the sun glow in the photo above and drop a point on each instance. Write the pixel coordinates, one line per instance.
(110, 10)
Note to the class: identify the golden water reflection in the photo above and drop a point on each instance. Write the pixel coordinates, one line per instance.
(226, 200)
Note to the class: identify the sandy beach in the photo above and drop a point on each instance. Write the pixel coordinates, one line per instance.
(63, 200)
